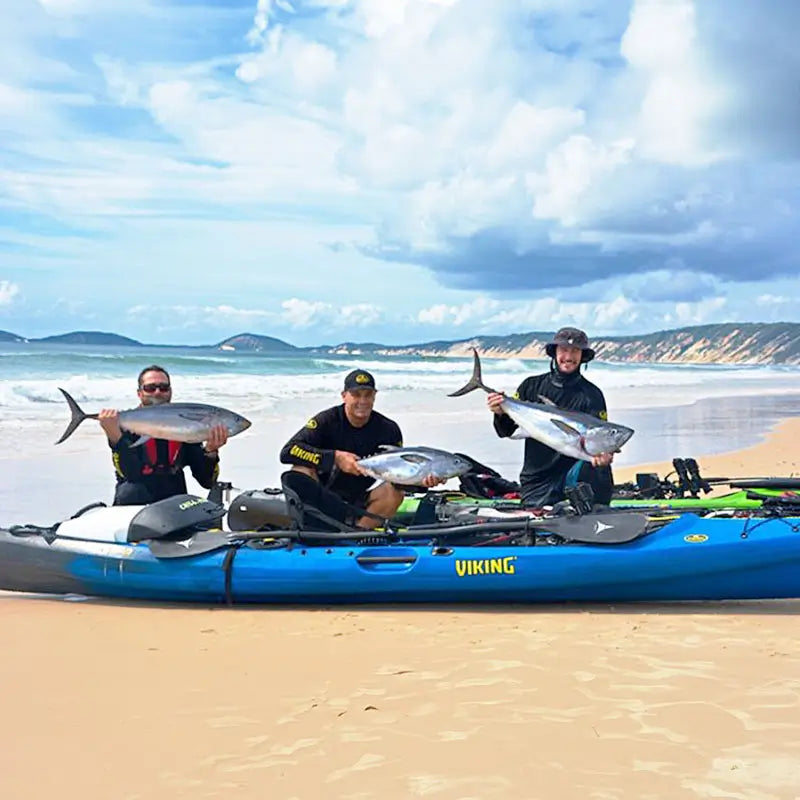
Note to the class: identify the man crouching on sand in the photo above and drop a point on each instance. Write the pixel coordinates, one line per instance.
(327, 449)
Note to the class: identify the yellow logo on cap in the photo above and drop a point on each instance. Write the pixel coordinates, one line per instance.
(362, 378)
(693, 538)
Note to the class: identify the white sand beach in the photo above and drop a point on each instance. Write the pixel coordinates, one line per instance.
(139, 701)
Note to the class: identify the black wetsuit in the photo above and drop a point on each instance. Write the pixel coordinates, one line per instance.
(544, 471)
(154, 470)
(314, 446)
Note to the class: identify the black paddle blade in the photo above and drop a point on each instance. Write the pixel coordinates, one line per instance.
(201, 542)
(611, 528)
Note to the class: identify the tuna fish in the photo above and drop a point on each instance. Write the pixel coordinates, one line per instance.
(180, 422)
(572, 433)
(411, 465)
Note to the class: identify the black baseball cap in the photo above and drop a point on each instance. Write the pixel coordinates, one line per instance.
(359, 379)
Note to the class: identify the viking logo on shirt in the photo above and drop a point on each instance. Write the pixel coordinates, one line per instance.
(299, 452)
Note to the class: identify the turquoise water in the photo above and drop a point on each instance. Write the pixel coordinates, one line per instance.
(30, 375)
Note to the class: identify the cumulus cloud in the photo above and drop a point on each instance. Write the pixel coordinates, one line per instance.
(8, 291)
(616, 313)
(473, 313)
(694, 313)
(770, 300)
(305, 314)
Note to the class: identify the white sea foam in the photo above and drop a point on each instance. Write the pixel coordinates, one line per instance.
(626, 387)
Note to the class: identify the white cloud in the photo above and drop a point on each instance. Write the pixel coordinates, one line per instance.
(615, 314)
(290, 60)
(528, 131)
(681, 97)
(303, 314)
(309, 313)
(771, 300)
(472, 313)
(572, 169)
(361, 315)
(695, 313)
(8, 291)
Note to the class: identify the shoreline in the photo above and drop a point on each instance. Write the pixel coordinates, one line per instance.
(774, 456)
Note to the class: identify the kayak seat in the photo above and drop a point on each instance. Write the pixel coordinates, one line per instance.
(174, 517)
(312, 506)
(259, 510)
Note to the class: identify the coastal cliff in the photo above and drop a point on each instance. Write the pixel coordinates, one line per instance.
(727, 343)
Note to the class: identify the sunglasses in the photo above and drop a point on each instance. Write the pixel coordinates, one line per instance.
(149, 388)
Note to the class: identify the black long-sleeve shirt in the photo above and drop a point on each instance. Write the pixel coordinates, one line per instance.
(543, 469)
(144, 479)
(315, 444)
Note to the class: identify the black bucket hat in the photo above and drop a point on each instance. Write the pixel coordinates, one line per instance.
(570, 337)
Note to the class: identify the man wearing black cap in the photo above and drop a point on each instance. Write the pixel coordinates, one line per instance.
(328, 447)
(545, 473)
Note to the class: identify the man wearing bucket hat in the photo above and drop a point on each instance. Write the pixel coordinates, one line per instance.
(545, 473)
(328, 446)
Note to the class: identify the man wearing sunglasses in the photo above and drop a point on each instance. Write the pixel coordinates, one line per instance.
(154, 470)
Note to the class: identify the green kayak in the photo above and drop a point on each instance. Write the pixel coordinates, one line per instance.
(739, 499)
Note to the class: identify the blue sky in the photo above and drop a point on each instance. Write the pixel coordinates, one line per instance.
(396, 170)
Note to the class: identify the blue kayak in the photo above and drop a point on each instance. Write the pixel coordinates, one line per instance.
(611, 557)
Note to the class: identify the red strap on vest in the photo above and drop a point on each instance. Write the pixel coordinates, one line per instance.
(151, 454)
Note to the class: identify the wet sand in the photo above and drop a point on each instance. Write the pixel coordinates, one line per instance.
(778, 455)
(134, 701)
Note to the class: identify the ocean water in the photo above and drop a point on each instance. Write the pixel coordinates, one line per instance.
(676, 410)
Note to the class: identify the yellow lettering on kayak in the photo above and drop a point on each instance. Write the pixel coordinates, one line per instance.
(189, 503)
(486, 566)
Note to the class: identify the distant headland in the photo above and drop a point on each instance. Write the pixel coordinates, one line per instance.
(723, 343)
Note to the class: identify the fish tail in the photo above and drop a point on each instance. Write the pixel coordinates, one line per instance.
(475, 382)
(78, 416)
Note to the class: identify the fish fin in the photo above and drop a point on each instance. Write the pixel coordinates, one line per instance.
(546, 401)
(520, 433)
(387, 448)
(78, 415)
(378, 482)
(568, 429)
(475, 382)
(193, 416)
(414, 458)
(140, 441)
